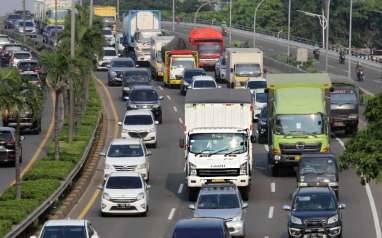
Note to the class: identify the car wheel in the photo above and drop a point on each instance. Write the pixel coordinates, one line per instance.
(160, 120)
(192, 194)
(261, 140)
(245, 193)
(103, 214)
(154, 145)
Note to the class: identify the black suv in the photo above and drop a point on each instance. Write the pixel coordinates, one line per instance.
(262, 125)
(8, 145)
(201, 227)
(314, 212)
(132, 77)
(145, 97)
(318, 170)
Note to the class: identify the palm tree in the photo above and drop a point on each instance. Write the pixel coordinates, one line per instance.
(15, 94)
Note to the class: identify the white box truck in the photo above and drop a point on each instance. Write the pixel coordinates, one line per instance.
(242, 64)
(218, 138)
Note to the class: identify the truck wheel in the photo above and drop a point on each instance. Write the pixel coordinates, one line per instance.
(192, 194)
(274, 170)
(245, 193)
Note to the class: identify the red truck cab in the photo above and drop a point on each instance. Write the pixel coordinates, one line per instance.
(209, 42)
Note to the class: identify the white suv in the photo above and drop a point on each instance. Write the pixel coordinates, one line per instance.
(125, 193)
(109, 53)
(140, 124)
(71, 228)
(203, 82)
(127, 155)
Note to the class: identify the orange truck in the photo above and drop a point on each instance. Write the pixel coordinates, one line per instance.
(209, 43)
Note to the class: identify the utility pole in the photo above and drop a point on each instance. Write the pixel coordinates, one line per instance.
(24, 18)
(350, 37)
(117, 9)
(230, 23)
(71, 93)
(91, 13)
(55, 12)
(327, 34)
(173, 15)
(254, 23)
(289, 16)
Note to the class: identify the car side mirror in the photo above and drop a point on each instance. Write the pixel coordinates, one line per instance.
(341, 206)
(191, 206)
(103, 154)
(119, 123)
(245, 205)
(182, 143)
(286, 208)
(22, 138)
(253, 139)
(161, 97)
(149, 153)
(148, 186)
(156, 122)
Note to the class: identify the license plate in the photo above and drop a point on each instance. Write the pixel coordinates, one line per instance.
(122, 205)
(218, 180)
(297, 157)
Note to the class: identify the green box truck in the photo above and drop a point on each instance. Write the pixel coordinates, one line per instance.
(298, 117)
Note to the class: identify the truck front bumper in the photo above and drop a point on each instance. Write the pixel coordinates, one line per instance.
(197, 182)
(143, 58)
(338, 123)
(207, 62)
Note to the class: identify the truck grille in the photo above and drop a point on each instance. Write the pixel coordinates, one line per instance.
(342, 113)
(138, 134)
(218, 172)
(315, 222)
(300, 148)
(125, 167)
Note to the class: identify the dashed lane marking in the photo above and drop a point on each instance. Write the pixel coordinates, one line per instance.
(161, 88)
(180, 189)
(266, 147)
(270, 212)
(180, 120)
(273, 187)
(172, 213)
(340, 142)
(168, 97)
(175, 109)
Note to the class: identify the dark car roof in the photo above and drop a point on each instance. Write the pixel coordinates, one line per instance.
(219, 95)
(319, 155)
(123, 59)
(143, 87)
(194, 70)
(199, 223)
(11, 129)
(309, 190)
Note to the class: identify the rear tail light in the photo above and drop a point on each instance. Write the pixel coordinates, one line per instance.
(325, 149)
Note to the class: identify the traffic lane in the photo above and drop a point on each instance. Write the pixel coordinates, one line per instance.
(166, 175)
(376, 190)
(29, 145)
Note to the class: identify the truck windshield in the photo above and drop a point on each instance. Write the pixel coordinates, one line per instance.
(186, 63)
(314, 202)
(317, 166)
(146, 36)
(343, 97)
(218, 143)
(61, 14)
(248, 70)
(209, 48)
(305, 124)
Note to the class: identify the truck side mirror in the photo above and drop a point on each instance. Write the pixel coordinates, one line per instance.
(182, 143)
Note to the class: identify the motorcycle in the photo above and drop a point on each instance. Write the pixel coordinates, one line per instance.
(361, 75)
(224, 31)
(316, 54)
(342, 59)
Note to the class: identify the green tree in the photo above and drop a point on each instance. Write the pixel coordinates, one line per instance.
(15, 94)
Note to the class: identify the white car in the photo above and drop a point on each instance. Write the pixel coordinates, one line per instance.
(203, 82)
(255, 83)
(18, 56)
(125, 193)
(109, 53)
(4, 39)
(127, 155)
(140, 124)
(220, 69)
(71, 228)
(109, 37)
(30, 28)
(119, 43)
(259, 101)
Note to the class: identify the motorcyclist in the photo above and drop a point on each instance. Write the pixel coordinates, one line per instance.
(316, 53)
(359, 70)
(342, 56)
(223, 27)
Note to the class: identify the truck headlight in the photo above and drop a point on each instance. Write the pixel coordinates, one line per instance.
(333, 219)
(113, 74)
(141, 166)
(295, 220)
(243, 168)
(140, 196)
(192, 169)
(353, 116)
(156, 105)
(106, 196)
(237, 218)
(108, 167)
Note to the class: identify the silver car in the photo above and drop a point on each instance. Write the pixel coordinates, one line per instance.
(118, 67)
(222, 201)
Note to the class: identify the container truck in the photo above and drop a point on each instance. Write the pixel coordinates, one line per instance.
(298, 112)
(139, 20)
(45, 12)
(108, 15)
(218, 138)
(209, 43)
(242, 64)
(156, 59)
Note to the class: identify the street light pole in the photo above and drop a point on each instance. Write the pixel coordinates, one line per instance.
(289, 13)
(91, 13)
(350, 37)
(323, 23)
(71, 93)
(230, 23)
(173, 15)
(24, 18)
(254, 23)
(117, 9)
(327, 35)
(197, 10)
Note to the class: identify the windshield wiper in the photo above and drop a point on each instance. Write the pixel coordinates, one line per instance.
(218, 151)
(233, 152)
(201, 152)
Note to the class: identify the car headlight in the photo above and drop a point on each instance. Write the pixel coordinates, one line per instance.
(133, 106)
(141, 196)
(333, 219)
(141, 166)
(106, 196)
(156, 105)
(237, 218)
(125, 131)
(126, 88)
(152, 129)
(353, 116)
(243, 168)
(192, 169)
(295, 220)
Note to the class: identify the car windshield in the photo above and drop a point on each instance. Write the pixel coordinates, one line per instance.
(261, 97)
(64, 232)
(314, 202)
(13, 48)
(204, 84)
(198, 232)
(146, 36)
(222, 62)
(14, 17)
(144, 95)
(4, 39)
(30, 77)
(22, 55)
(218, 201)
(209, 48)
(5, 135)
(109, 53)
(138, 120)
(186, 63)
(248, 70)
(107, 32)
(256, 84)
(124, 182)
(125, 151)
(305, 124)
(122, 63)
(264, 112)
(343, 97)
(188, 74)
(317, 166)
(27, 23)
(217, 143)
(139, 78)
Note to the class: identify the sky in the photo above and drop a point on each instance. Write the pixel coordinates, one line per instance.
(7, 6)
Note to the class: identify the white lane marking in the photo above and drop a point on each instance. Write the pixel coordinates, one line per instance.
(273, 187)
(270, 212)
(180, 188)
(168, 96)
(171, 215)
(366, 91)
(374, 212)
(341, 142)
(373, 208)
(180, 120)
(174, 108)
(377, 81)
(266, 236)
(161, 88)
(266, 147)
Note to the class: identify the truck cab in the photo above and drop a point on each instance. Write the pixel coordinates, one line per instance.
(142, 44)
(176, 61)
(298, 117)
(156, 58)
